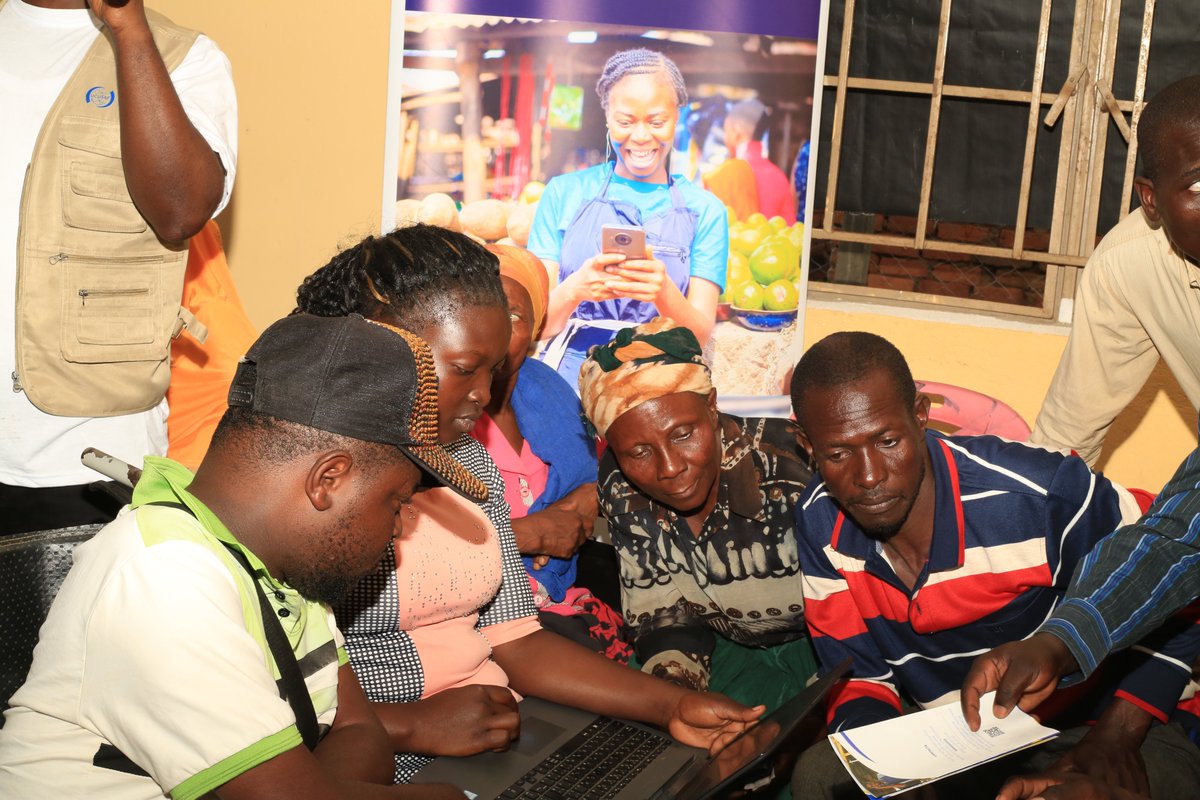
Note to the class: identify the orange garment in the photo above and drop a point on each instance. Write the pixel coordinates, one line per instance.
(201, 373)
(734, 185)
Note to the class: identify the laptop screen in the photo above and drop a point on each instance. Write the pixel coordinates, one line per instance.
(756, 745)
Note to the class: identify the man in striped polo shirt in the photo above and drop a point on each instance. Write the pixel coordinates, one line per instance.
(921, 551)
(191, 651)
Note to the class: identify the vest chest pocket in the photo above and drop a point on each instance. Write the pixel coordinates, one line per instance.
(94, 194)
(115, 311)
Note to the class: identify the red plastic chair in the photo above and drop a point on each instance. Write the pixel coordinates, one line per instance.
(968, 413)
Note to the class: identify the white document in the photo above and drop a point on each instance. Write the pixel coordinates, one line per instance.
(899, 754)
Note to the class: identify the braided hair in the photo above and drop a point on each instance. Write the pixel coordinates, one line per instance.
(639, 61)
(413, 277)
(1175, 107)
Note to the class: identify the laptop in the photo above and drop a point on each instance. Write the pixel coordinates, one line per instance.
(575, 755)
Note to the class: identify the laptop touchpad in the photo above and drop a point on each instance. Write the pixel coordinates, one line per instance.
(536, 734)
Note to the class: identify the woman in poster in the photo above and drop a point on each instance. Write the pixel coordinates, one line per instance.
(686, 228)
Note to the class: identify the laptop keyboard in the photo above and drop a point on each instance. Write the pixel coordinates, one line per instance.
(596, 764)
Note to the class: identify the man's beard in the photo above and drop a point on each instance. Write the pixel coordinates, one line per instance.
(328, 577)
(883, 533)
(325, 587)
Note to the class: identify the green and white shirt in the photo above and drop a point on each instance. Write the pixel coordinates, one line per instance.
(152, 677)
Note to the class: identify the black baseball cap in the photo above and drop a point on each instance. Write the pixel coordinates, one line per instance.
(354, 377)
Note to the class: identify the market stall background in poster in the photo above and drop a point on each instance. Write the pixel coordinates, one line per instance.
(498, 97)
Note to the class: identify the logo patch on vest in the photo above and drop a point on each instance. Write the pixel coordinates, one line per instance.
(100, 97)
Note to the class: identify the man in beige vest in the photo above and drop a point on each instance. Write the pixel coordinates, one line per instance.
(119, 143)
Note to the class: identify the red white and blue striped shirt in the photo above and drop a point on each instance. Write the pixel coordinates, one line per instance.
(1011, 522)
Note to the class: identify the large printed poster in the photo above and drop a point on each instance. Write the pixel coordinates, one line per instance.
(499, 98)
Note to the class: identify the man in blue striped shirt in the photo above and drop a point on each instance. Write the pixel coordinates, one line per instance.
(1132, 581)
(921, 551)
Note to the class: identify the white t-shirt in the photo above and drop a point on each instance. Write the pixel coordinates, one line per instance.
(39, 51)
(149, 653)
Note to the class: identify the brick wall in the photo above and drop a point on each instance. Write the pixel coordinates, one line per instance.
(939, 272)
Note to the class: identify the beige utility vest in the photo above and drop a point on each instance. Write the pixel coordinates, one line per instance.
(97, 291)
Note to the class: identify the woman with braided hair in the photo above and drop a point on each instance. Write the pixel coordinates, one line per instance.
(687, 231)
(446, 624)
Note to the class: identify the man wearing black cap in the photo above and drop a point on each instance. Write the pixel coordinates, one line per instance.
(191, 649)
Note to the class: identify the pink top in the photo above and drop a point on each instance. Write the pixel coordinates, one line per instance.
(776, 197)
(448, 566)
(524, 473)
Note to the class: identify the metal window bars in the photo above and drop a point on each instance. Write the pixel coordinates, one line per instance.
(1083, 105)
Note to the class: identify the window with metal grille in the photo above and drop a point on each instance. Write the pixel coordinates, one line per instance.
(972, 152)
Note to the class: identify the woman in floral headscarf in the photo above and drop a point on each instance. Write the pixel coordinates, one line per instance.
(700, 505)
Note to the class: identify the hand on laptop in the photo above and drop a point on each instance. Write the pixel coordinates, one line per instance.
(710, 720)
(457, 722)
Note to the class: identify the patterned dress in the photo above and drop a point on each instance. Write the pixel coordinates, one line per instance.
(739, 579)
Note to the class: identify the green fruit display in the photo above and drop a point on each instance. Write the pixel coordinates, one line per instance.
(774, 259)
(745, 240)
(781, 295)
(748, 295)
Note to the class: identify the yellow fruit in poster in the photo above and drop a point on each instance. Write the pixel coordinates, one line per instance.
(748, 295)
(777, 222)
(757, 219)
(737, 270)
(532, 192)
(774, 259)
(730, 215)
(746, 240)
(780, 296)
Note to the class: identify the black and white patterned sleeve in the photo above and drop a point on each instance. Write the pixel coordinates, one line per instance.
(515, 598)
(383, 657)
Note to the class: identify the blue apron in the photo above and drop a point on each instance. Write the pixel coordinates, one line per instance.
(670, 233)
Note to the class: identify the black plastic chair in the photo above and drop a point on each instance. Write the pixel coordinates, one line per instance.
(32, 568)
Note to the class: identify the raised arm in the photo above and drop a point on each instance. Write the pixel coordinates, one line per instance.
(174, 177)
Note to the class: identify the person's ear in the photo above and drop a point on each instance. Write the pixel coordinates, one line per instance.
(329, 473)
(712, 404)
(921, 410)
(1145, 192)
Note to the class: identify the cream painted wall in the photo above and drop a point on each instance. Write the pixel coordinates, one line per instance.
(312, 90)
(1014, 363)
